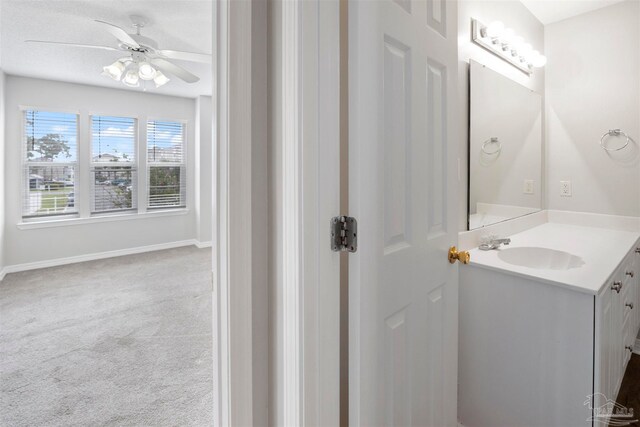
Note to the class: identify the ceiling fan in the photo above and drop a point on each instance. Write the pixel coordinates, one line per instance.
(144, 60)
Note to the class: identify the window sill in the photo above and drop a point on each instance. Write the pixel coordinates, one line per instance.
(28, 225)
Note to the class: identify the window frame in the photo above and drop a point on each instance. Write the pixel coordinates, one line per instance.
(84, 172)
(25, 164)
(135, 208)
(183, 165)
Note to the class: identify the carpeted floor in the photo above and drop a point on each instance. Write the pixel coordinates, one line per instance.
(629, 394)
(117, 342)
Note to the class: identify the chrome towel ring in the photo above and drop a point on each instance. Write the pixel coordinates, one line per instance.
(614, 132)
(492, 140)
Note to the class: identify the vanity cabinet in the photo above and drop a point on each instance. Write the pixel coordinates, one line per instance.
(617, 323)
(619, 320)
(534, 353)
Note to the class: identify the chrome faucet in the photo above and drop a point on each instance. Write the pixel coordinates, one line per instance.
(492, 242)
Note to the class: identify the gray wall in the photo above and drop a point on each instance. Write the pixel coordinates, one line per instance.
(514, 15)
(593, 85)
(42, 244)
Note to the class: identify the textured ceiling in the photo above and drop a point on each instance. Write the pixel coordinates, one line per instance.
(549, 11)
(177, 25)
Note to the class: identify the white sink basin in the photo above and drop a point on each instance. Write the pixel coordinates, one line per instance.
(540, 258)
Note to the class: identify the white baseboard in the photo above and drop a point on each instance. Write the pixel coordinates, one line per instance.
(636, 348)
(99, 255)
(202, 245)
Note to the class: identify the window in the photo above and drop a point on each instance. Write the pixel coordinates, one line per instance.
(50, 163)
(74, 170)
(113, 164)
(166, 163)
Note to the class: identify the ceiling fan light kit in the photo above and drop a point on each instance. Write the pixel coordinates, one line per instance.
(145, 61)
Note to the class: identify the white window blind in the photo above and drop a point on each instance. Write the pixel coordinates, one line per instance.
(113, 163)
(166, 164)
(50, 163)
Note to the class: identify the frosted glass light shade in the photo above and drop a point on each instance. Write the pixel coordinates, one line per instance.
(146, 71)
(160, 79)
(114, 70)
(131, 77)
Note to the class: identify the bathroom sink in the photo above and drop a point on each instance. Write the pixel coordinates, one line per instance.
(540, 258)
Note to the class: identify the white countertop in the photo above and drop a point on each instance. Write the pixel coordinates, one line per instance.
(602, 250)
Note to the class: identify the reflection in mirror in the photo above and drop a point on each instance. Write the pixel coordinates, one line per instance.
(505, 157)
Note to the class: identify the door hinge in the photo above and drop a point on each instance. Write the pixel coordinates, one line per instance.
(344, 234)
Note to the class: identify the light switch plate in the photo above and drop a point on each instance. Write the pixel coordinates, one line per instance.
(565, 188)
(528, 186)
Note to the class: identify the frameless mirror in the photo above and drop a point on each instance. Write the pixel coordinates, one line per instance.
(505, 148)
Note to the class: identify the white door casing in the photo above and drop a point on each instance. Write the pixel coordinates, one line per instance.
(403, 293)
(305, 175)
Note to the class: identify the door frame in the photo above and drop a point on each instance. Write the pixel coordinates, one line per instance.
(239, 248)
(307, 372)
(303, 379)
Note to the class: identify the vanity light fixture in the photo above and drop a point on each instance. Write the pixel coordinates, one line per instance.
(504, 43)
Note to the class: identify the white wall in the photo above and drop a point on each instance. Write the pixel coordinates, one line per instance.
(514, 15)
(32, 245)
(204, 177)
(593, 85)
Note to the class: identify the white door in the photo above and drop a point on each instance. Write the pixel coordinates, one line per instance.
(403, 191)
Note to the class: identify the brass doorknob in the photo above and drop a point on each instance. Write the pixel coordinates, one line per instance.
(462, 256)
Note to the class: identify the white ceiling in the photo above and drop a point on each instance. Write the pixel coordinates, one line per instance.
(177, 25)
(549, 11)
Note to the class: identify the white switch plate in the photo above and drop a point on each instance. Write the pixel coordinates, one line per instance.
(528, 186)
(565, 188)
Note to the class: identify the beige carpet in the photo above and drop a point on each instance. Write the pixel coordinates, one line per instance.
(118, 342)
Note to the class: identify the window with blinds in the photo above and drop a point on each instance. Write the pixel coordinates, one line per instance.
(113, 164)
(50, 163)
(166, 164)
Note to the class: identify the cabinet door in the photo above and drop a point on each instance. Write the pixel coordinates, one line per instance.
(604, 346)
(628, 297)
(617, 335)
(636, 269)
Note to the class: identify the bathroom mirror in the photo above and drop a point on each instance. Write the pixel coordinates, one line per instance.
(505, 148)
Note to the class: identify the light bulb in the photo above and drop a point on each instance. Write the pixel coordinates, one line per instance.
(525, 50)
(517, 42)
(131, 77)
(495, 29)
(531, 56)
(114, 70)
(160, 79)
(538, 60)
(146, 71)
(507, 36)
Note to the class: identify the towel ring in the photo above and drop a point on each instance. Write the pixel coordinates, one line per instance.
(614, 132)
(492, 140)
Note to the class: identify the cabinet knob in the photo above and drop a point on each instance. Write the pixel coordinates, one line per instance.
(638, 250)
(617, 286)
(629, 347)
(630, 305)
(630, 274)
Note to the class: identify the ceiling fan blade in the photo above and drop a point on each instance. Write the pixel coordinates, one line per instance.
(171, 68)
(185, 56)
(120, 34)
(91, 46)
